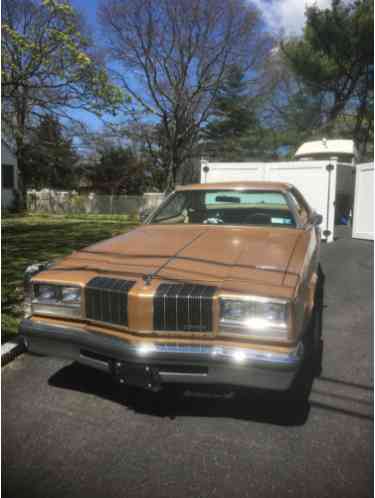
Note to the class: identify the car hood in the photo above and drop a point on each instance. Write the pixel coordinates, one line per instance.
(194, 253)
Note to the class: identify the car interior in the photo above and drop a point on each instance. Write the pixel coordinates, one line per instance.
(227, 209)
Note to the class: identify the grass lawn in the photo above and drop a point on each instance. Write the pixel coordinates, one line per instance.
(32, 238)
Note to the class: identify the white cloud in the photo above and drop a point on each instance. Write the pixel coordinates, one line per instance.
(287, 15)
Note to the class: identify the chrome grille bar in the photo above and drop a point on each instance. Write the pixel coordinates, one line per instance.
(183, 307)
(107, 300)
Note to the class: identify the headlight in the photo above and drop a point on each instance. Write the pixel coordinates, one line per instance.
(71, 295)
(56, 300)
(30, 271)
(255, 317)
(46, 293)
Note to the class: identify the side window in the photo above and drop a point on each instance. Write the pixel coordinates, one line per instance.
(300, 206)
(7, 175)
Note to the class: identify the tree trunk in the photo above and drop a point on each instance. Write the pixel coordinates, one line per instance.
(170, 183)
(111, 202)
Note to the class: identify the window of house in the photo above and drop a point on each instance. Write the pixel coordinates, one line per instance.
(7, 175)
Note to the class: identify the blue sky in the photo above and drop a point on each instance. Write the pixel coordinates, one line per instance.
(287, 15)
(88, 9)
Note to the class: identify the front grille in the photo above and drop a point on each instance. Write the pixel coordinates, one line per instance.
(107, 300)
(185, 307)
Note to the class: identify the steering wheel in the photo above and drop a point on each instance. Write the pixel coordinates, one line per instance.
(258, 218)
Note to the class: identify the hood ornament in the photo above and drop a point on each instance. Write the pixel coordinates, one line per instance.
(147, 279)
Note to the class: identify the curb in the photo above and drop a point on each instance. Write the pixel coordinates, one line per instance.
(10, 350)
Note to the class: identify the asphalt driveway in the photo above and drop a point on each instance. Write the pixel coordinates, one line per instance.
(68, 431)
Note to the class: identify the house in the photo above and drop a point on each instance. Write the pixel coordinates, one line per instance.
(9, 176)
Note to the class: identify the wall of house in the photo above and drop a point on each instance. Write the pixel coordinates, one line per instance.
(7, 194)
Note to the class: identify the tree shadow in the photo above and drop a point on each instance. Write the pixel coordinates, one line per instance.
(185, 400)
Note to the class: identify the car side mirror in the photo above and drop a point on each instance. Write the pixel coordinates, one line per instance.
(316, 219)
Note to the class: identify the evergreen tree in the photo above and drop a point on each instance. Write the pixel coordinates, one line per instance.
(335, 60)
(118, 171)
(235, 132)
(50, 158)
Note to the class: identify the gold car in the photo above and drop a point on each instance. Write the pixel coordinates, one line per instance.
(221, 285)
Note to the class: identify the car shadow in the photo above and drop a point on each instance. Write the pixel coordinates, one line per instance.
(185, 400)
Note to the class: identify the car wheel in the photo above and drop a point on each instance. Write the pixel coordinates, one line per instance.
(301, 387)
(313, 347)
(317, 325)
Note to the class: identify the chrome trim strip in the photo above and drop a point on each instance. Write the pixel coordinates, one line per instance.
(176, 296)
(253, 297)
(226, 365)
(151, 350)
(164, 307)
(200, 309)
(239, 355)
(182, 374)
(188, 308)
(58, 311)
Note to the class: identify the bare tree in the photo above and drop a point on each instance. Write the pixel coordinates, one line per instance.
(172, 57)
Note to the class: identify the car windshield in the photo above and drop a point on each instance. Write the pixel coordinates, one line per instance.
(226, 207)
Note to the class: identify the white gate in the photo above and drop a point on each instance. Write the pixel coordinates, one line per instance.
(319, 181)
(316, 180)
(363, 215)
(231, 172)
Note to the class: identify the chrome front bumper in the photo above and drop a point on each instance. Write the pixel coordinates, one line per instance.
(190, 364)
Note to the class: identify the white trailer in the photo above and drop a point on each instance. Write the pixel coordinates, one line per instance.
(327, 185)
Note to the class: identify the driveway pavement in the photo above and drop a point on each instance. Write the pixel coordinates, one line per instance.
(69, 431)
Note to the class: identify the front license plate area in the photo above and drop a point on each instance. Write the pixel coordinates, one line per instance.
(137, 375)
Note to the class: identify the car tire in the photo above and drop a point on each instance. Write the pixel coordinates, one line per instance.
(317, 325)
(301, 386)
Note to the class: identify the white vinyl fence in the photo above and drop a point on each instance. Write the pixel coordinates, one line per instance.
(58, 202)
(363, 216)
(328, 185)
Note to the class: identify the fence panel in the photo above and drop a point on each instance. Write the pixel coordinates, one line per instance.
(59, 202)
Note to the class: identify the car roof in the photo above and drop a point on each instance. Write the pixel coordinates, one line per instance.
(236, 186)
